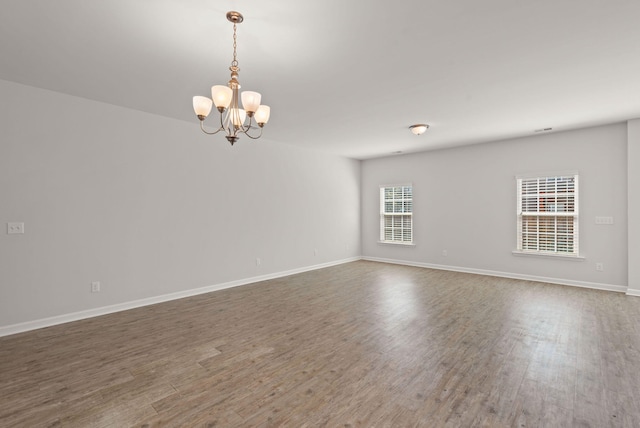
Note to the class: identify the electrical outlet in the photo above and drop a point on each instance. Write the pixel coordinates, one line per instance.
(600, 267)
(95, 287)
(445, 253)
(315, 251)
(258, 261)
(15, 228)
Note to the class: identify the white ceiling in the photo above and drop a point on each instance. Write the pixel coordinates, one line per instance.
(347, 77)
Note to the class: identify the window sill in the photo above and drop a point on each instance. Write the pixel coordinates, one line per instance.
(404, 244)
(549, 255)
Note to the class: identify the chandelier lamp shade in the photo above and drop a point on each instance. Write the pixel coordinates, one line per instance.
(234, 120)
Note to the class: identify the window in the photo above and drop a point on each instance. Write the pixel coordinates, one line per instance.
(548, 215)
(396, 214)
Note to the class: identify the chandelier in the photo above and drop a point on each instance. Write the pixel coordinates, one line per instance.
(233, 119)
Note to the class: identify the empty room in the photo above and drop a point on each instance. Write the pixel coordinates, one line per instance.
(301, 214)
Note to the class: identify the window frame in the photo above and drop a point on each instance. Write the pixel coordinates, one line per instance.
(402, 215)
(552, 230)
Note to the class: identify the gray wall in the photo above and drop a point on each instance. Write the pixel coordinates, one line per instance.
(465, 203)
(150, 206)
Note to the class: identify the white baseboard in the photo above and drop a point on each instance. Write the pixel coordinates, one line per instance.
(76, 316)
(90, 313)
(583, 284)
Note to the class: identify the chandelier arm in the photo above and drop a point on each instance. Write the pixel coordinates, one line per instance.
(222, 119)
(252, 137)
(243, 129)
(209, 132)
(246, 132)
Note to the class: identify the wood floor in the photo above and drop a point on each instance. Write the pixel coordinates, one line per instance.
(357, 345)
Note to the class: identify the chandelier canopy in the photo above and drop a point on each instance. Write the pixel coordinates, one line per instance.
(233, 119)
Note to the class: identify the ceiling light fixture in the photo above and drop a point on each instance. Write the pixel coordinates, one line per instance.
(419, 128)
(232, 117)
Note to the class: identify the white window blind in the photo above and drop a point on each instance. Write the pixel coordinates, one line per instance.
(548, 215)
(396, 214)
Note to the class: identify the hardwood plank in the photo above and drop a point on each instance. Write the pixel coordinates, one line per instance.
(360, 344)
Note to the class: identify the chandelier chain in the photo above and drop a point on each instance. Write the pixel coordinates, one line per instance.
(234, 63)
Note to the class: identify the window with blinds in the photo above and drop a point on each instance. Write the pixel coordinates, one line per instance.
(396, 214)
(548, 215)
